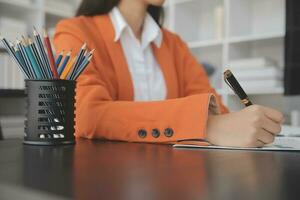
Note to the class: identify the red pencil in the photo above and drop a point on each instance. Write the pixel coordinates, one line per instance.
(50, 55)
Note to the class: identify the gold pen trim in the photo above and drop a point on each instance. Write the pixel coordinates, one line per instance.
(245, 101)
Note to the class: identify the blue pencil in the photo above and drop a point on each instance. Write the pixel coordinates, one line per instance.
(79, 60)
(85, 61)
(20, 58)
(81, 68)
(64, 64)
(86, 55)
(27, 62)
(82, 58)
(59, 58)
(90, 53)
(21, 61)
(38, 58)
(12, 53)
(33, 61)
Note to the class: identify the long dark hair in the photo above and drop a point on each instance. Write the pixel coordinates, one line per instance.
(100, 7)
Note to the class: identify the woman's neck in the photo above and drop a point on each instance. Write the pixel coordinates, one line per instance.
(134, 13)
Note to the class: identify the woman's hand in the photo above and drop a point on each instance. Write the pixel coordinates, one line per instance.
(253, 126)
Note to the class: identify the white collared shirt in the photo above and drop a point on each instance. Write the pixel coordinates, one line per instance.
(147, 77)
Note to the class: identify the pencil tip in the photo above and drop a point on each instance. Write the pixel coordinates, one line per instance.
(45, 33)
(24, 40)
(93, 50)
(84, 46)
(1, 38)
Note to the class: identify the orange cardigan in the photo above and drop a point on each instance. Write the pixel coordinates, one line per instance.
(104, 101)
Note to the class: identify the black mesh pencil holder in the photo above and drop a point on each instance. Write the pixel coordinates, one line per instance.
(50, 112)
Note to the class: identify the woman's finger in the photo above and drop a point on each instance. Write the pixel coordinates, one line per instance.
(273, 115)
(259, 144)
(265, 137)
(271, 126)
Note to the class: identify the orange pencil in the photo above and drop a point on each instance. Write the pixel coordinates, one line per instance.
(68, 68)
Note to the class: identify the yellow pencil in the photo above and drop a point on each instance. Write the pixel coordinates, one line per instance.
(68, 69)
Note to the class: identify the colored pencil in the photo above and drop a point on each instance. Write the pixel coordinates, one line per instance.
(91, 53)
(64, 64)
(84, 63)
(33, 61)
(11, 52)
(87, 57)
(27, 62)
(58, 59)
(68, 68)
(38, 58)
(36, 61)
(50, 55)
(24, 69)
(19, 56)
(83, 57)
(82, 68)
(79, 59)
(42, 52)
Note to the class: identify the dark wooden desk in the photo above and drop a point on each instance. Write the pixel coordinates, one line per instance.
(106, 170)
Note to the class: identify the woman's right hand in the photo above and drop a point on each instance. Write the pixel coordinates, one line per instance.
(253, 126)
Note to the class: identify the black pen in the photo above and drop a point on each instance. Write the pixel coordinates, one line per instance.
(236, 87)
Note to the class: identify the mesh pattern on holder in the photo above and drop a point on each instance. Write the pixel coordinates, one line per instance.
(50, 112)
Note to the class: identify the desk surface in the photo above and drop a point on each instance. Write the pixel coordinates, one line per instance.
(115, 170)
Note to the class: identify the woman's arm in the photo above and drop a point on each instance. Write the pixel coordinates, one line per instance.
(195, 78)
(251, 127)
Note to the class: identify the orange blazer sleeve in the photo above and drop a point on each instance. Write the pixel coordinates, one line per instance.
(194, 75)
(100, 115)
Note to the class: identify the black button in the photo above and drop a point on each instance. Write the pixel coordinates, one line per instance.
(169, 132)
(142, 133)
(155, 133)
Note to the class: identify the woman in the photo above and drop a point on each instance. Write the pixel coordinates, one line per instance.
(143, 84)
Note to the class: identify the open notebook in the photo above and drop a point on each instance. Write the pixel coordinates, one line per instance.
(280, 144)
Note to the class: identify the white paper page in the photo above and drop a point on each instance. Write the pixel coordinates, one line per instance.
(280, 144)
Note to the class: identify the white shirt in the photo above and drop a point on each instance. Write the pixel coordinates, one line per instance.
(147, 77)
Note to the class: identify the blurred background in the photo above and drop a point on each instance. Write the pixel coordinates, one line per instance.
(246, 36)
